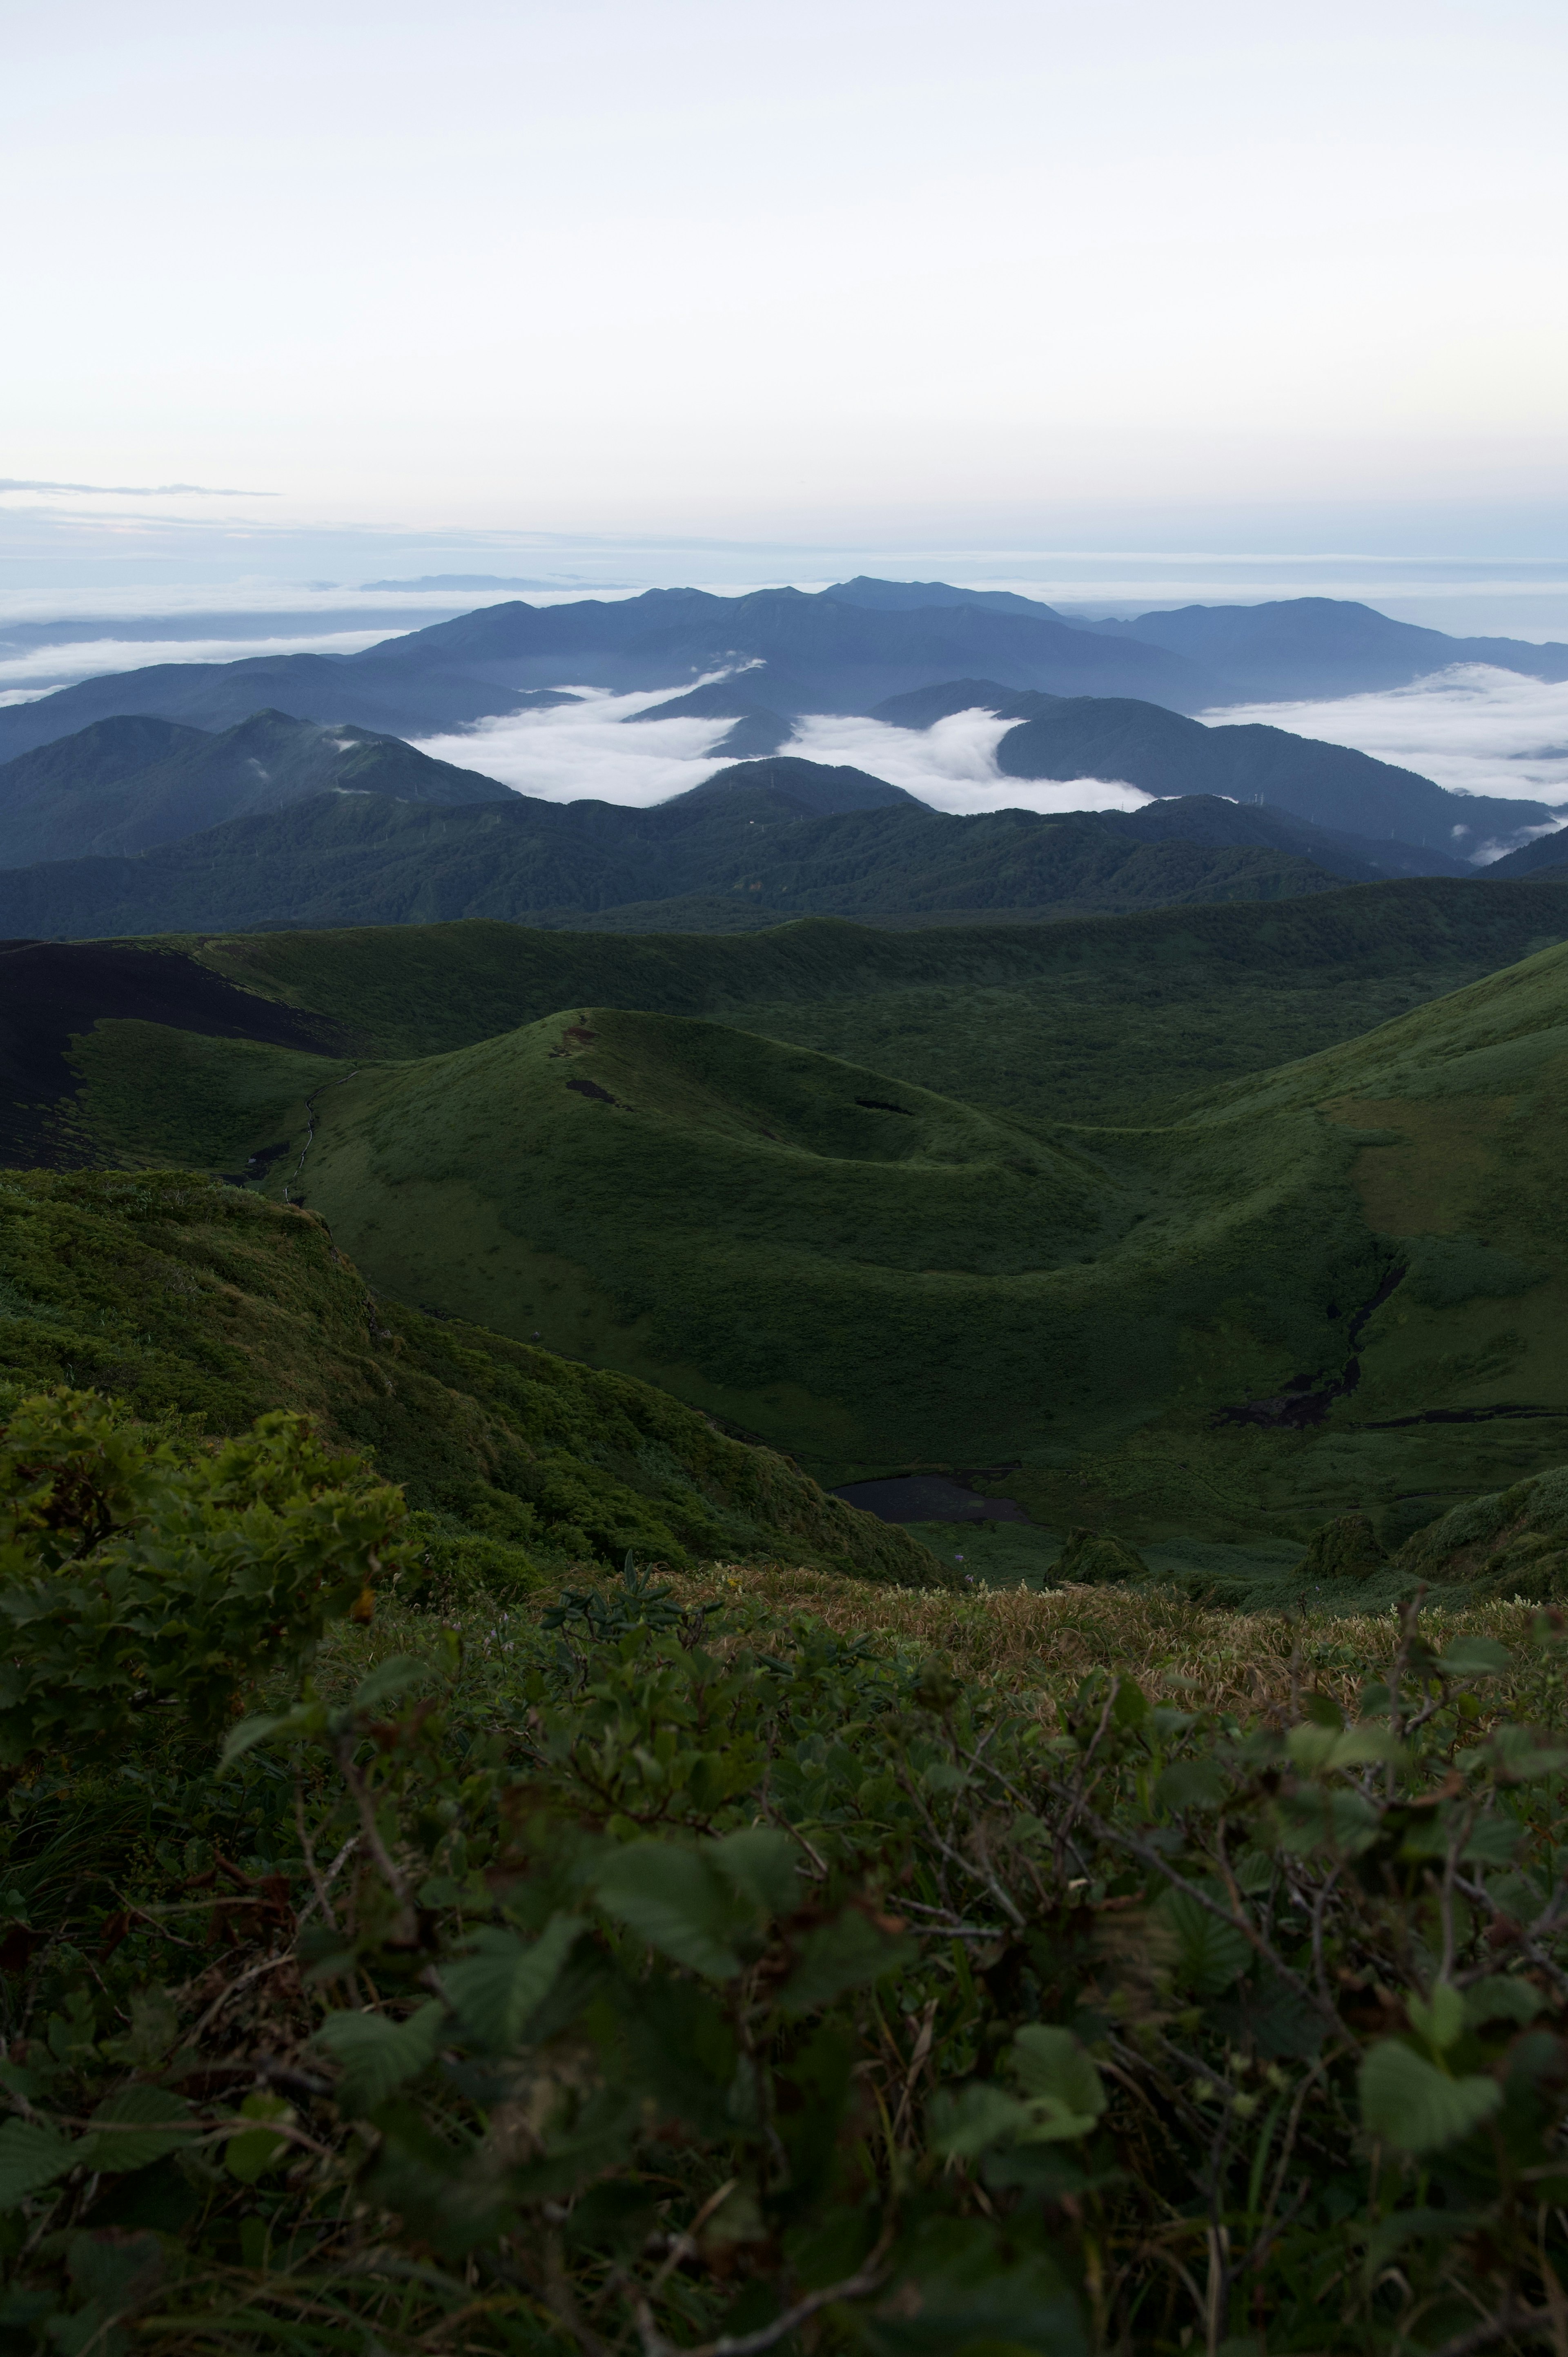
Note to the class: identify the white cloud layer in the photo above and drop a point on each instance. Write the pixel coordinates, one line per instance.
(1474, 729)
(24, 677)
(586, 751)
(952, 766)
(578, 752)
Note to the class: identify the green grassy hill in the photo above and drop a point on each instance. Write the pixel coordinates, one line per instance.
(1134, 1246)
(203, 1302)
(1098, 1020)
(1337, 1285)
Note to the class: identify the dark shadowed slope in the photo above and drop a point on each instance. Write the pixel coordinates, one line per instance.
(1331, 785)
(125, 784)
(1323, 646)
(52, 991)
(727, 854)
(1547, 853)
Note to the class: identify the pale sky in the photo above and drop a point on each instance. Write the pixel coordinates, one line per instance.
(715, 266)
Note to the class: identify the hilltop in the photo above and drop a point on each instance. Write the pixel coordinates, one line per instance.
(1330, 786)
(1099, 1020)
(321, 826)
(1149, 1303)
(128, 784)
(761, 839)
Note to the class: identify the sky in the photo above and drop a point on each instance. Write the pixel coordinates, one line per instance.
(573, 281)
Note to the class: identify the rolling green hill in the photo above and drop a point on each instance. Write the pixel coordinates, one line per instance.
(1105, 1020)
(1096, 1021)
(198, 1301)
(1335, 1285)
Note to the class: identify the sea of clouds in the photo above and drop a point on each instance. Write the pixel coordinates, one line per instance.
(576, 752)
(1474, 729)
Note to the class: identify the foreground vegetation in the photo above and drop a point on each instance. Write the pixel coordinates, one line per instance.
(748, 1959)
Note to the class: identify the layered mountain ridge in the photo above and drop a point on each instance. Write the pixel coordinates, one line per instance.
(840, 650)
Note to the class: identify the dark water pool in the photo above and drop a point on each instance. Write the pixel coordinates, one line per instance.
(929, 1498)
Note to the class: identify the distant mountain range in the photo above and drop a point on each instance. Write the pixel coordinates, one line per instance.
(140, 826)
(761, 842)
(173, 802)
(844, 650)
(1328, 785)
(127, 784)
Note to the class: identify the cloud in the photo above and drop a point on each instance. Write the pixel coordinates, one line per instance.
(139, 490)
(952, 766)
(24, 677)
(585, 751)
(581, 751)
(1474, 729)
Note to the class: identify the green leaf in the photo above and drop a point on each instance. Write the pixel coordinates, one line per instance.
(1501, 1999)
(378, 2056)
(494, 1990)
(840, 1955)
(30, 2158)
(134, 2128)
(760, 1865)
(1131, 1707)
(1475, 1657)
(1051, 2063)
(1440, 2020)
(1416, 2107)
(1210, 1953)
(978, 2115)
(1320, 1751)
(254, 2151)
(390, 1679)
(306, 1719)
(1191, 1785)
(675, 1900)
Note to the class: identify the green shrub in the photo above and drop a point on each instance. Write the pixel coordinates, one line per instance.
(691, 1987)
(139, 1569)
(1097, 1556)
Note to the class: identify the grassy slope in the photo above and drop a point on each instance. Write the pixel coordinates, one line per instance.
(870, 1287)
(1098, 1020)
(202, 1300)
(965, 1290)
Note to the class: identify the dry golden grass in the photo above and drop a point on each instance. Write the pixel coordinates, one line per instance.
(1192, 1656)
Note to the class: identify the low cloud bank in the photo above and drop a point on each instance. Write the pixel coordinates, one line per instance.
(952, 766)
(25, 677)
(582, 751)
(1474, 729)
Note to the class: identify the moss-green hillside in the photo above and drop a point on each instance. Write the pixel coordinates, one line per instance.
(1336, 1284)
(1328, 1285)
(198, 1299)
(1095, 1020)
